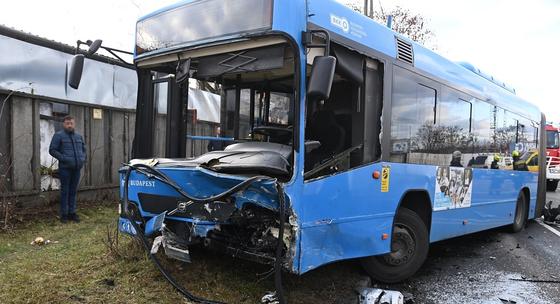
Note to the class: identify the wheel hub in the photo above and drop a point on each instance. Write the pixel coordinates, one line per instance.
(402, 247)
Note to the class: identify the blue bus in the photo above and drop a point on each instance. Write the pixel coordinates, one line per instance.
(339, 139)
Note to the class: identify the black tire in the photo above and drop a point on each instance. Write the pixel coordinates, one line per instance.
(551, 185)
(521, 213)
(410, 244)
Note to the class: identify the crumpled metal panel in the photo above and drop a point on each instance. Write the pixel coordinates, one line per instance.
(39, 70)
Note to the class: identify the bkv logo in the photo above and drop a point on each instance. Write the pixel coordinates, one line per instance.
(341, 23)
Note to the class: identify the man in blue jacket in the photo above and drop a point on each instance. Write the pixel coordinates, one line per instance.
(69, 148)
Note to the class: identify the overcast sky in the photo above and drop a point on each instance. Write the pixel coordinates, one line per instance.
(513, 40)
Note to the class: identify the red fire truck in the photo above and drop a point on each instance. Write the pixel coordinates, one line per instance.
(553, 157)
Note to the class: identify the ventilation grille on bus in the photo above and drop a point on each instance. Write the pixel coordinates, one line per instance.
(404, 51)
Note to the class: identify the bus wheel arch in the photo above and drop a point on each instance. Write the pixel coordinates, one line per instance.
(409, 242)
(521, 214)
(419, 202)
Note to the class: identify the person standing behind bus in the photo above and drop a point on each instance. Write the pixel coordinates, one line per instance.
(217, 145)
(69, 148)
(494, 164)
(456, 159)
(516, 157)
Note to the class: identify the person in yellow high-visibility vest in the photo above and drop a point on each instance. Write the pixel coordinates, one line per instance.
(495, 162)
(515, 155)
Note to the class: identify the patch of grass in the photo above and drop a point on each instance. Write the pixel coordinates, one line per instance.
(79, 266)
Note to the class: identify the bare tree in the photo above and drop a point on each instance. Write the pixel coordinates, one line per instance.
(441, 139)
(405, 22)
(6, 164)
(6, 200)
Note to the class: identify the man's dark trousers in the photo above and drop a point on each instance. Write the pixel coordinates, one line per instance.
(69, 180)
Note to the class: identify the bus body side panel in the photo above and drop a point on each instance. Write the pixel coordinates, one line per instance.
(346, 215)
(494, 198)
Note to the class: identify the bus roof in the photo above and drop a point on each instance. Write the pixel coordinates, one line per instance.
(346, 22)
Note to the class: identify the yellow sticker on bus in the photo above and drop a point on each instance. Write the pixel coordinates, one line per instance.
(385, 173)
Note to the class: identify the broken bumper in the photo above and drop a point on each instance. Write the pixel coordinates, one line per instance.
(126, 227)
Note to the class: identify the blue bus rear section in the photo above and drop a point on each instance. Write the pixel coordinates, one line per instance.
(347, 215)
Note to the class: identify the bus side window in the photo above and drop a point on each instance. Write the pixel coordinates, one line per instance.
(483, 127)
(373, 107)
(347, 125)
(160, 91)
(454, 126)
(413, 118)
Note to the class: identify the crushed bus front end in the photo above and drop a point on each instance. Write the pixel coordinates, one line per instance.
(183, 203)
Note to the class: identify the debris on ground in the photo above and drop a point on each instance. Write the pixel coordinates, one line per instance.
(379, 296)
(550, 214)
(507, 301)
(40, 241)
(270, 298)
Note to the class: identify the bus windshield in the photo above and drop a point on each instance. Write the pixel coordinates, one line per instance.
(552, 140)
(240, 109)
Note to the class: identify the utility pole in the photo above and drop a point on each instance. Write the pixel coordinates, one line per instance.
(368, 8)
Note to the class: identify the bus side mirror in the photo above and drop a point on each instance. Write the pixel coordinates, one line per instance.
(76, 69)
(322, 77)
(77, 65)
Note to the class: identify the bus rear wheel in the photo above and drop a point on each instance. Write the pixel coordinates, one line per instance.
(409, 249)
(521, 213)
